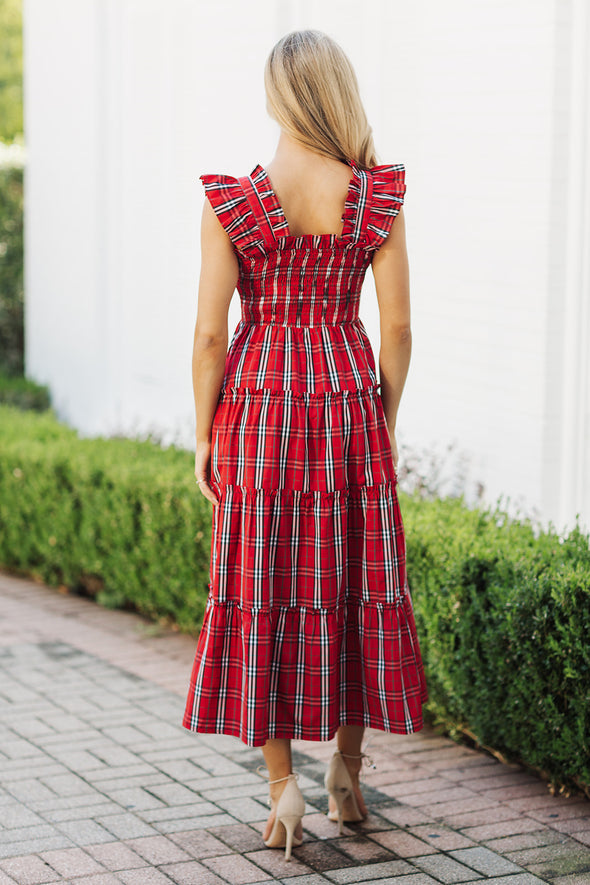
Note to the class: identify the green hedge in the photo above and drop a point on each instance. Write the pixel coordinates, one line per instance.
(11, 271)
(503, 615)
(118, 519)
(503, 611)
(19, 391)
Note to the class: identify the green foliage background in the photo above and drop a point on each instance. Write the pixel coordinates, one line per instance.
(11, 191)
(11, 272)
(11, 70)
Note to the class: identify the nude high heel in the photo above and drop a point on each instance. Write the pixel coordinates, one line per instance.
(289, 810)
(339, 784)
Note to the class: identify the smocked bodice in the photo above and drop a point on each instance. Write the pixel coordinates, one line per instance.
(300, 294)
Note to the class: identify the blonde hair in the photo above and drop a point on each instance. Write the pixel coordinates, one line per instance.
(313, 94)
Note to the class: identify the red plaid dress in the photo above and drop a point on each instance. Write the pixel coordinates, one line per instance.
(309, 622)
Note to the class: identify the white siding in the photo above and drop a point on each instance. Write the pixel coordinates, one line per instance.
(486, 104)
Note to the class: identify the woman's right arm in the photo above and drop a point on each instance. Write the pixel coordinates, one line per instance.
(392, 282)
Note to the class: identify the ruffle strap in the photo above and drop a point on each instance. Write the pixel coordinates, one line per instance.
(388, 196)
(375, 197)
(229, 202)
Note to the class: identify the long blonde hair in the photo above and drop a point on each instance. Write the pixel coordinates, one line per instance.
(312, 92)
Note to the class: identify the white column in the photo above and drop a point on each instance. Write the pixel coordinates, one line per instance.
(571, 484)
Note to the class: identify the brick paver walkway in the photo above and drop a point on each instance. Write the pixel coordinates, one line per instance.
(99, 783)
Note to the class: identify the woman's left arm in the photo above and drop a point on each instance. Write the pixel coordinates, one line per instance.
(218, 280)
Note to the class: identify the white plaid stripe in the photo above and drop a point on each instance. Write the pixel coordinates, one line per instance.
(321, 543)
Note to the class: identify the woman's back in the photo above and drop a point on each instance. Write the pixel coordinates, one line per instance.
(312, 191)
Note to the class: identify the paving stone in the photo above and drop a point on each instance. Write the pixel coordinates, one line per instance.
(126, 735)
(322, 828)
(27, 834)
(272, 860)
(29, 870)
(444, 810)
(34, 846)
(485, 861)
(244, 809)
(574, 879)
(445, 869)
(572, 825)
(40, 768)
(173, 794)
(86, 832)
(404, 816)
(369, 872)
(72, 862)
(199, 843)
(322, 856)
(114, 756)
(100, 879)
(238, 837)
(518, 879)
(514, 826)
(560, 866)
(110, 776)
(67, 785)
(180, 769)
(441, 837)
(5, 879)
(225, 787)
(167, 812)
(82, 812)
(116, 856)
(126, 826)
(135, 798)
(364, 850)
(168, 827)
(218, 765)
(143, 877)
(43, 807)
(537, 838)
(220, 788)
(403, 844)
(191, 873)
(409, 783)
(313, 879)
(235, 869)
(415, 878)
(158, 850)
(15, 814)
(141, 781)
(29, 790)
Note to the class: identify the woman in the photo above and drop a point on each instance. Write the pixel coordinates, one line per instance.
(309, 629)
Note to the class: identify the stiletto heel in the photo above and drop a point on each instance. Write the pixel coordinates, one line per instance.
(338, 783)
(289, 811)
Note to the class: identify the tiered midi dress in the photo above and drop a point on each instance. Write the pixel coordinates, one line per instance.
(309, 622)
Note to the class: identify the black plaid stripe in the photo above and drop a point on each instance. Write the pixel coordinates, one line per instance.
(309, 622)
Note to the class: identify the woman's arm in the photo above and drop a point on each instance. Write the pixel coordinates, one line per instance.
(218, 280)
(392, 281)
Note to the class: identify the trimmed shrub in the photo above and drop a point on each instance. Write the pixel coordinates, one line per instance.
(503, 617)
(22, 393)
(116, 518)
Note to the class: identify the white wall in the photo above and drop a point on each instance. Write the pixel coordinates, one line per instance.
(486, 104)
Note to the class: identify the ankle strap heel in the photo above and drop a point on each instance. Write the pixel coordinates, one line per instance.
(369, 762)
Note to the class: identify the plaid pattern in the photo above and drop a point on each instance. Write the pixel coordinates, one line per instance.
(309, 622)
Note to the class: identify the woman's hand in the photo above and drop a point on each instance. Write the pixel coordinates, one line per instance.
(202, 470)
